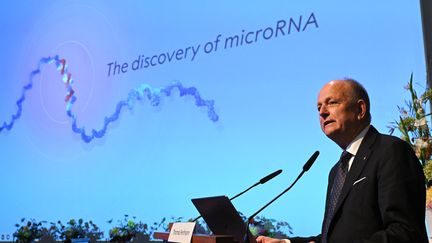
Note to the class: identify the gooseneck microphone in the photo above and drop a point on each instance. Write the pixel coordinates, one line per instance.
(306, 167)
(262, 181)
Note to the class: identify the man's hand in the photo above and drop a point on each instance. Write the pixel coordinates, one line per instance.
(265, 239)
(429, 205)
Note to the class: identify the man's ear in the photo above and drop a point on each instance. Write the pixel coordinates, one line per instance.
(361, 109)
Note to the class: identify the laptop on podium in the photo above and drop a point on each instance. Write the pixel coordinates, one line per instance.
(221, 217)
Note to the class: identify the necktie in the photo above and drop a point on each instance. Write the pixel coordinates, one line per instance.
(336, 189)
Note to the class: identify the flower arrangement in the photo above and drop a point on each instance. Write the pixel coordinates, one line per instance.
(413, 125)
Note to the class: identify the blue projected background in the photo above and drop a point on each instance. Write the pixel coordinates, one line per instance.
(110, 108)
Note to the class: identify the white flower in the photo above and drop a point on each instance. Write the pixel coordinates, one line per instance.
(420, 122)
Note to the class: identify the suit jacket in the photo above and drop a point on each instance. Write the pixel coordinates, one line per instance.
(383, 197)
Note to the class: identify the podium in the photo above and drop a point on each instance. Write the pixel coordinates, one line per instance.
(200, 238)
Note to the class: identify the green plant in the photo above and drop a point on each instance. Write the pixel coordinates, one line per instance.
(29, 231)
(77, 230)
(127, 229)
(270, 227)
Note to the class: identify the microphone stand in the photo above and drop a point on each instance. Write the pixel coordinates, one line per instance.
(306, 167)
(246, 238)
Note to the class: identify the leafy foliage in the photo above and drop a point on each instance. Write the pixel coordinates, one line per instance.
(127, 229)
(130, 228)
(271, 228)
(77, 230)
(414, 128)
(29, 231)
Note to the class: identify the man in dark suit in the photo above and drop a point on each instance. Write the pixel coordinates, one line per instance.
(376, 191)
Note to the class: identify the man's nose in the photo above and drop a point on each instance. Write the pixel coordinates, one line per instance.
(323, 112)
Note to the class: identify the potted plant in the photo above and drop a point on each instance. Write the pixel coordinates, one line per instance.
(78, 231)
(128, 229)
(29, 231)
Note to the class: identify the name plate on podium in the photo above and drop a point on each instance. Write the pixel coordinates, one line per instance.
(181, 232)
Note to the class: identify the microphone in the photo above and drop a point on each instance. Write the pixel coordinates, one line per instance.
(262, 181)
(269, 177)
(310, 162)
(306, 167)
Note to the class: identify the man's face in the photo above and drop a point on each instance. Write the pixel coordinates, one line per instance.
(338, 114)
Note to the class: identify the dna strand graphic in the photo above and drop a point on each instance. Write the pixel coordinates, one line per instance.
(144, 91)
